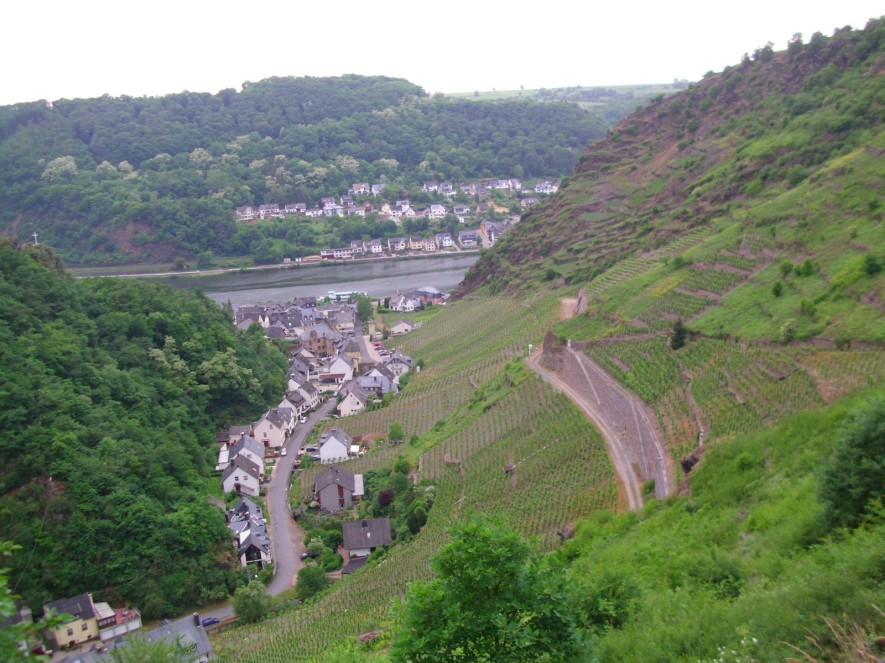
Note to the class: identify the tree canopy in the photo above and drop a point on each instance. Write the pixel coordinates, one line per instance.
(496, 599)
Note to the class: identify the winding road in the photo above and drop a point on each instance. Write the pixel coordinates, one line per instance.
(287, 537)
(631, 439)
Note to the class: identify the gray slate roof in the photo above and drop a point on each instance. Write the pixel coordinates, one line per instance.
(366, 533)
(339, 435)
(244, 464)
(193, 635)
(79, 606)
(337, 476)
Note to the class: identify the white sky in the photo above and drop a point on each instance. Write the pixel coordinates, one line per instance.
(85, 48)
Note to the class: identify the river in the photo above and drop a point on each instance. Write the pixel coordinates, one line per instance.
(379, 278)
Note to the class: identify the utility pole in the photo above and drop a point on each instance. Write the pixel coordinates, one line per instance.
(34, 235)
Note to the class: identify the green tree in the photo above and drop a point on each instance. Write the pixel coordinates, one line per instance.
(138, 649)
(312, 579)
(251, 602)
(396, 432)
(495, 599)
(677, 340)
(854, 478)
(364, 308)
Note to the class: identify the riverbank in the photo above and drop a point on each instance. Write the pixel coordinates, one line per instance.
(135, 271)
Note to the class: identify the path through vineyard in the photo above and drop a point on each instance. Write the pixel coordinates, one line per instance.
(633, 443)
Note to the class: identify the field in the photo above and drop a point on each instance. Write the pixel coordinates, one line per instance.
(480, 417)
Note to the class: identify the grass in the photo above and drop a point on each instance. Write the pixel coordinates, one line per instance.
(743, 563)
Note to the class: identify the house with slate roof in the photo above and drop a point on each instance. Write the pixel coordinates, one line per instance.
(334, 445)
(241, 476)
(80, 626)
(361, 537)
(246, 522)
(334, 489)
(188, 633)
(355, 399)
(274, 427)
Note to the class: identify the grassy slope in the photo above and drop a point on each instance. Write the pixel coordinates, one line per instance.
(740, 564)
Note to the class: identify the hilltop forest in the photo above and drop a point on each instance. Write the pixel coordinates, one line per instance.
(112, 392)
(115, 180)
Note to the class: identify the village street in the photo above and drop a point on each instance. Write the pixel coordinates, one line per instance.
(287, 537)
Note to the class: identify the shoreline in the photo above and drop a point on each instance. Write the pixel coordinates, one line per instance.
(255, 268)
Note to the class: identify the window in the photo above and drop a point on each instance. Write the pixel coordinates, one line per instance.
(84, 627)
(70, 631)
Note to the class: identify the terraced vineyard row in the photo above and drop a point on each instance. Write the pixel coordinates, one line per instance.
(737, 388)
(562, 473)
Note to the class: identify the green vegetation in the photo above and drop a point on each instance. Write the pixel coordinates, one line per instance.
(741, 564)
(494, 599)
(157, 179)
(112, 391)
(251, 602)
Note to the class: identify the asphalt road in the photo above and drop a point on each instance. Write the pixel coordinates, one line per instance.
(287, 537)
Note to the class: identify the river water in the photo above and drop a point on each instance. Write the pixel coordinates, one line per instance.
(379, 278)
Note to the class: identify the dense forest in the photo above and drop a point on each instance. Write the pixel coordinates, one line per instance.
(123, 179)
(112, 391)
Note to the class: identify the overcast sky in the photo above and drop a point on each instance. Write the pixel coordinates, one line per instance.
(85, 48)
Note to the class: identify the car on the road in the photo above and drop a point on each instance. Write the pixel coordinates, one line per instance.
(377, 344)
(303, 420)
(211, 621)
(283, 452)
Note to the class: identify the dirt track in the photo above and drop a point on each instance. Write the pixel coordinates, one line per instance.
(631, 438)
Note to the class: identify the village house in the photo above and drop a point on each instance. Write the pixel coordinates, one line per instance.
(88, 620)
(269, 211)
(377, 189)
(430, 187)
(436, 212)
(395, 244)
(361, 538)
(361, 189)
(467, 238)
(546, 187)
(378, 382)
(403, 326)
(444, 240)
(404, 304)
(446, 189)
(274, 427)
(376, 247)
(80, 626)
(430, 244)
(246, 213)
(249, 528)
(250, 448)
(398, 363)
(242, 477)
(334, 445)
(528, 202)
(295, 208)
(314, 212)
(188, 634)
(355, 400)
(335, 489)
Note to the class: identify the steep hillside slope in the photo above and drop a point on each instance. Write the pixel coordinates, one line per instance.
(781, 152)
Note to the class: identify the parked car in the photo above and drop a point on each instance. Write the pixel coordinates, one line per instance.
(304, 556)
(211, 621)
(283, 451)
(303, 420)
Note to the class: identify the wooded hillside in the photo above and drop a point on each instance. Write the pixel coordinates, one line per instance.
(112, 391)
(123, 179)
